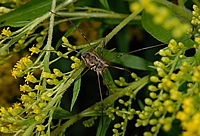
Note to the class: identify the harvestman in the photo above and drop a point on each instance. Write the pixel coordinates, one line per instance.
(92, 61)
(95, 63)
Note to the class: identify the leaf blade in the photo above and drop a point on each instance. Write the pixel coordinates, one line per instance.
(76, 90)
(61, 113)
(130, 61)
(24, 14)
(104, 3)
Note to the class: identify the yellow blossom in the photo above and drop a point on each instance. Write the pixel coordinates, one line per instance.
(182, 116)
(16, 73)
(30, 78)
(34, 50)
(40, 127)
(25, 88)
(6, 32)
(73, 65)
(4, 129)
(135, 6)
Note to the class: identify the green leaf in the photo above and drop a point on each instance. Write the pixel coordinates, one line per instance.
(104, 52)
(76, 90)
(24, 14)
(158, 31)
(105, 3)
(197, 56)
(123, 45)
(130, 61)
(61, 113)
(187, 77)
(190, 60)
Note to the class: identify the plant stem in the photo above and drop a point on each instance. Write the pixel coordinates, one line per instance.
(93, 15)
(49, 39)
(65, 125)
(181, 3)
(122, 24)
(108, 101)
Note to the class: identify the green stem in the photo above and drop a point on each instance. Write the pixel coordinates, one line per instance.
(93, 15)
(64, 4)
(108, 101)
(29, 130)
(180, 11)
(122, 24)
(49, 39)
(181, 3)
(47, 57)
(65, 125)
(64, 86)
(31, 26)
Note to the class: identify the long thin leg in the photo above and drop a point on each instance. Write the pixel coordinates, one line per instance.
(120, 68)
(99, 87)
(75, 27)
(101, 100)
(105, 82)
(85, 72)
(120, 55)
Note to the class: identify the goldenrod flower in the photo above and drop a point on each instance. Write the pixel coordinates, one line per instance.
(6, 32)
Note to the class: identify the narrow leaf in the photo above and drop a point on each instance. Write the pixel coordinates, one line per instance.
(197, 56)
(105, 3)
(104, 52)
(158, 31)
(101, 130)
(190, 60)
(130, 61)
(22, 15)
(61, 113)
(76, 90)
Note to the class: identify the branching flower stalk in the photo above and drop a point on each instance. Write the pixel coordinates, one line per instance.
(173, 87)
(91, 111)
(56, 93)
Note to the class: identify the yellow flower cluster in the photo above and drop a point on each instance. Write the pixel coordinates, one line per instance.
(76, 62)
(125, 112)
(13, 4)
(195, 19)
(175, 86)
(190, 116)
(162, 16)
(23, 64)
(34, 100)
(40, 41)
(71, 48)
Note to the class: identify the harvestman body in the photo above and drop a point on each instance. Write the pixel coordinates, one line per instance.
(93, 62)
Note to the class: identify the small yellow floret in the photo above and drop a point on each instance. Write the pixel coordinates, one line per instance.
(6, 32)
